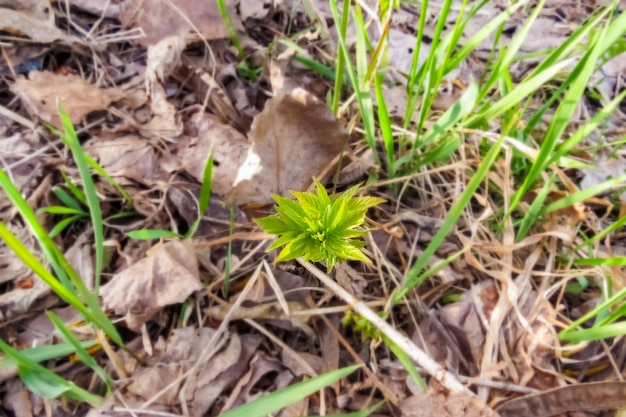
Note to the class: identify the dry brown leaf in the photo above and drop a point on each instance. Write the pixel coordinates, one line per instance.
(163, 57)
(42, 89)
(260, 365)
(160, 19)
(220, 373)
(31, 24)
(168, 276)
(127, 156)
(107, 9)
(80, 257)
(293, 139)
(594, 396)
(435, 401)
(229, 151)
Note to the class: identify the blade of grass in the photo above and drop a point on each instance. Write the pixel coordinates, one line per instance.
(341, 57)
(44, 353)
(70, 138)
(275, 401)
(82, 354)
(585, 194)
(92, 314)
(46, 383)
(455, 212)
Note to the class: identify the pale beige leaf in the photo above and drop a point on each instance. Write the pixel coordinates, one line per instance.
(166, 277)
(293, 139)
(127, 156)
(160, 19)
(42, 89)
(229, 151)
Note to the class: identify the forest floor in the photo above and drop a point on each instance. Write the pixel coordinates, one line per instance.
(135, 282)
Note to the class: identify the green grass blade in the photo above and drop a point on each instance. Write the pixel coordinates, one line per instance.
(71, 140)
(385, 124)
(82, 354)
(451, 219)
(230, 27)
(406, 361)
(93, 314)
(534, 211)
(66, 199)
(341, 58)
(44, 353)
(46, 383)
(481, 35)
(277, 400)
(60, 226)
(580, 77)
(61, 210)
(585, 130)
(523, 90)
(96, 167)
(152, 234)
(78, 193)
(205, 195)
(585, 194)
(362, 92)
(595, 333)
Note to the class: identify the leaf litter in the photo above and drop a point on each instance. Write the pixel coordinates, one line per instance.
(152, 100)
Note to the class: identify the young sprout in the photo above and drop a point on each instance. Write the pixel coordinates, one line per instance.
(319, 227)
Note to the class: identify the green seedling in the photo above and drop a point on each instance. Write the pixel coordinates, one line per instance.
(362, 325)
(319, 227)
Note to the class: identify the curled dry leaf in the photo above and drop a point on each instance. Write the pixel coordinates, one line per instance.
(42, 89)
(168, 276)
(293, 139)
(160, 19)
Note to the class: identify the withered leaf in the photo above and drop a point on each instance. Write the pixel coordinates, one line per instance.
(165, 277)
(160, 19)
(591, 396)
(293, 139)
(41, 90)
(229, 151)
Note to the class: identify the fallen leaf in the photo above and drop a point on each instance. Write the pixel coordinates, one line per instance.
(129, 156)
(41, 91)
(32, 23)
(80, 257)
(229, 149)
(435, 401)
(593, 396)
(163, 57)
(293, 139)
(168, 276)
(160, 19)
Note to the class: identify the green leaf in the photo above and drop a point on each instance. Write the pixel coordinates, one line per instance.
(273, 402)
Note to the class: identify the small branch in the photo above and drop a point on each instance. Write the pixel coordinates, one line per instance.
(431, 367)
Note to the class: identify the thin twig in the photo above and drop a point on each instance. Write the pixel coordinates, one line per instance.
(431, 367)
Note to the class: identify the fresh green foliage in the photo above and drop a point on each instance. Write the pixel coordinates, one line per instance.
(44, 382)
(275, 401)
(82, 354)
(70, 138)
(606, 315)
(362, 325)
(319, 227)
